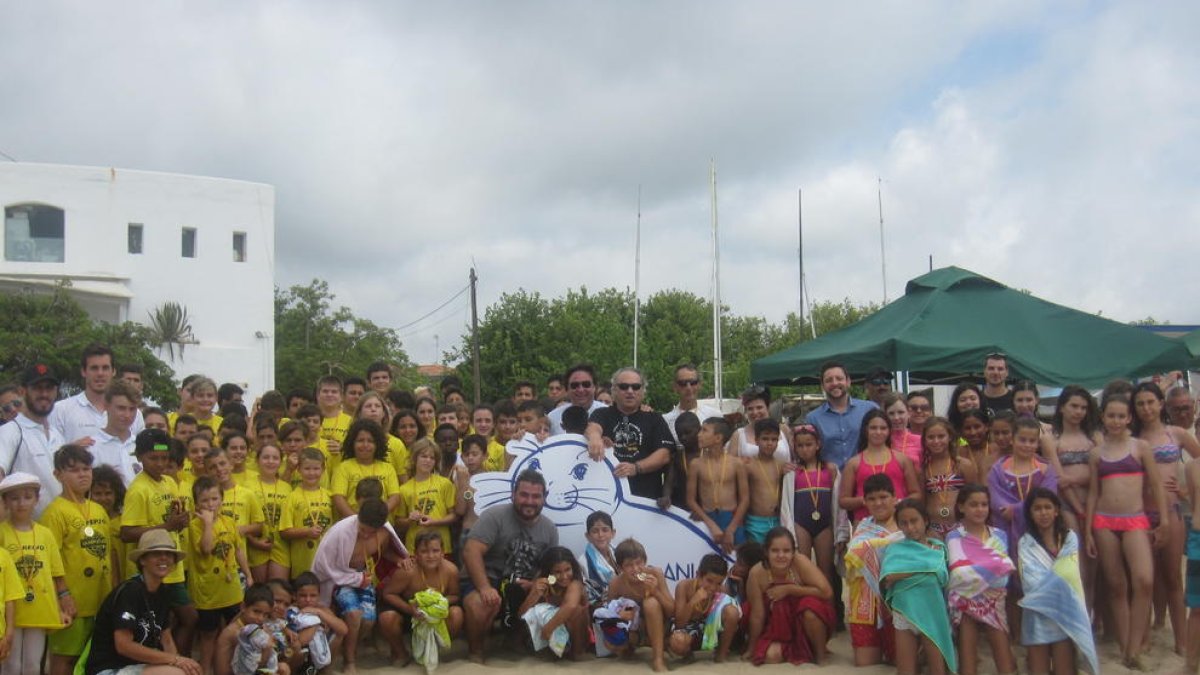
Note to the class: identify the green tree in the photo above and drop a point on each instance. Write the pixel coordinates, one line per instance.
(53, 328)
(313, 338)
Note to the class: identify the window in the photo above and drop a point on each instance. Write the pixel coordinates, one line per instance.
(189, 242)
(33, 233)
(135, 238)
(239, 247)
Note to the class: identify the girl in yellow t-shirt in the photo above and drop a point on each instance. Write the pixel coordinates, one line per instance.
(217, 555)
(237, 447)
(364, 455)
(237, 502)
(426, 500)
(46, 603)
(108, 490)
(372, 407)
(293, 439)
(11, 590)
(311, 510)
(273, 494)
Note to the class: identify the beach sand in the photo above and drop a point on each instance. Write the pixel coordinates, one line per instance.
(1160, 660)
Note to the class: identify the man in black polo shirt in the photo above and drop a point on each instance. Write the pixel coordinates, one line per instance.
(640, 440)
(996, 394)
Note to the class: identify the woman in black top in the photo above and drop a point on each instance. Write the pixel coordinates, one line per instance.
(132, 624)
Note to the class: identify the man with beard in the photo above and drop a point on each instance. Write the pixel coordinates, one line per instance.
(840, 416)
(501, 556)
(641, 441)
(997, 395)
(581, 391)
(29, 442)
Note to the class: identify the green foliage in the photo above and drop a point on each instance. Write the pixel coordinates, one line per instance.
(527, 337)
(171, 327)
(53, 328)
(313, 338)
(1149, 321)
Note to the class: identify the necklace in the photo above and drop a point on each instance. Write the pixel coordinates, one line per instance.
(875, 468)
(369, 560)
(1023, 490)
(812, 493)
(85, 510)
(718, 488)
(315, 509)
(943, 488)
(270, 499)
(226, 551)
(763, 472)
(27, 571)
(425, 582)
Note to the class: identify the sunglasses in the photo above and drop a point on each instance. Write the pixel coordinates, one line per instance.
(919, 408)
(15, 404)
(687, 383)
(626, 386)
(581, 385)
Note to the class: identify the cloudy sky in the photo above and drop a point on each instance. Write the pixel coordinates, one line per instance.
(1051, 146)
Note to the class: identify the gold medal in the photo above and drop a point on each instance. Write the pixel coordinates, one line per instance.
(88, 531)
(468, 495)
(551, 579)
(816, 515)
(29, 596)
(87, 571)
(944, 512)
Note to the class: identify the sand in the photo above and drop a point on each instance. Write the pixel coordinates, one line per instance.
(1161, 660)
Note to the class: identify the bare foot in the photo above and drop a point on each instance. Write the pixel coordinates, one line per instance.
(349, 669)
(1134, 663)
(659, 665)
(475, 657)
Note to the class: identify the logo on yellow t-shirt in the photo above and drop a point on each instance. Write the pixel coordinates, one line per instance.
(27, 566)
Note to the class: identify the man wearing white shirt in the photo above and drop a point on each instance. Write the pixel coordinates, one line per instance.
(113, 445)
(79, 417)
(581, 391)
(29, 442)
(687, 388)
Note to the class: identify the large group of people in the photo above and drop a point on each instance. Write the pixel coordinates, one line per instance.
(280, 536)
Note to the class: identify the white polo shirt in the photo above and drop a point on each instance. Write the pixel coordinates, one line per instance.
(702, 411)
(28, 446)
(116, 453)
(76, 417)
(555, 416)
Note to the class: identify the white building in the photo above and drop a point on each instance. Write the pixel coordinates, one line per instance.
(129, 241)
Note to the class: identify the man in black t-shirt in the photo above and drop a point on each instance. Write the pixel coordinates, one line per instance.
(996, 395)
(641, 441)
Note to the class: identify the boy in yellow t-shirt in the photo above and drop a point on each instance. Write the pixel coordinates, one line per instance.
(80, 528)
(364, 456)
(153, 503)
(10, 591)
(311, 509)
(218, 556)
(46, 603)
(426, 500)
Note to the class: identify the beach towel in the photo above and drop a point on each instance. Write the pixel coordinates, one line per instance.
(979, 573)
(614, 621)
(713, 622)
(920, 599)
(785, 624)
(597, 573)
(251, 642)
(331, 563)
(429, 631)
(862, 571)
(1054, 603)
(537, 617)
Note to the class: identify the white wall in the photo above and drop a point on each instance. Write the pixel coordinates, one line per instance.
(228, 302)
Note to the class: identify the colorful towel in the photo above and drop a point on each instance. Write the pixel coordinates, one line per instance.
(862, 571)
(1054, 602)
(614, 622)
(537, 617)
(597, 573)
(920, 599)
(979, 572)
(429, 631)
(713, 622)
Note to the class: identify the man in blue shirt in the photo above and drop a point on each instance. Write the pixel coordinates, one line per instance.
(840, 416)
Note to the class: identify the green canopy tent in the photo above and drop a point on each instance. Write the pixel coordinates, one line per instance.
(1192, 340)
(949, 319)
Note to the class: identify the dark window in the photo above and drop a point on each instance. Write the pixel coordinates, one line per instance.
(135, 238)
(189, 242)
(34, 233)
(239, 247)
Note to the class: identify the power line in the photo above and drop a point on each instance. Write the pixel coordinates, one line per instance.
(7, 156)
(459, 313)
(436, 309)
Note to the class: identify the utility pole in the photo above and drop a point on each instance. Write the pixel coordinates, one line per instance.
(474, 336)
(800, 248)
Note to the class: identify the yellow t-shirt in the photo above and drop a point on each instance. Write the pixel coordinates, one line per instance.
(213, 580)
(308, 508)
(128, 569)
(242, 506)
(334, 428)
(350, 472)
(86, 557)
(11, 588)
(495, 456)
(37, 561)
(433, 497)
(213, 423)
(398, 456)
(148, 503)
(274, 499)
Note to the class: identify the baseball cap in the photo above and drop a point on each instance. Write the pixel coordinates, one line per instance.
(38, 372)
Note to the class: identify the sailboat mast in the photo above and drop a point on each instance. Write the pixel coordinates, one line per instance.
(882, 251)
(718, 364)
(637, 278)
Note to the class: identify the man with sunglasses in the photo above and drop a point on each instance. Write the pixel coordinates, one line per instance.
(996, 394)
(581, 391)
(640, 439)
(10, 403)
(687, 388)
(1181, 408)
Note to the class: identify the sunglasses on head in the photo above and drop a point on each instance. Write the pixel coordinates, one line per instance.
(687, 383)
(581, 385)
(626, 386)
